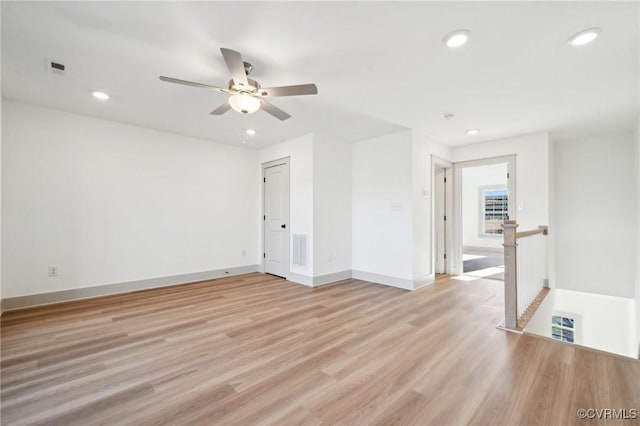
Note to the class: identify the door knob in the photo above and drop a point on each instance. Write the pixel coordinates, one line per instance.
(283, 226)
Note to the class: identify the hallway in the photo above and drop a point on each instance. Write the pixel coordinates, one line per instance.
(483, 264)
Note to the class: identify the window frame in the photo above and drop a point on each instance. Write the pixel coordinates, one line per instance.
(564, 332)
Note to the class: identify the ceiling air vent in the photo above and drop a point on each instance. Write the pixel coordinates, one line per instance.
(55, 67)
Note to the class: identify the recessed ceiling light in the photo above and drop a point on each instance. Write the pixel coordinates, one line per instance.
(250, 132)
(584, 37)
(472, 132)
(100, 95)
(456, 38)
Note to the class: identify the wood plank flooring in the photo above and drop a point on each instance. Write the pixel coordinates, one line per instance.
(256, 349)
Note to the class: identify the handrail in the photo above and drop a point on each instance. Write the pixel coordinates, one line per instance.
(514, 320)
(544, 230)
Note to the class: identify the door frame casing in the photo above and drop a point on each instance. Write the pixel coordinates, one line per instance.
(457, 247)
(441, 163)
(279, 162)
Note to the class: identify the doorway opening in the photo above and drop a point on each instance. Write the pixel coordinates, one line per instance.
(275, 256)
(487, 198)
(441, 221)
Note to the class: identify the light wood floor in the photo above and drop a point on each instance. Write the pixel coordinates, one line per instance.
(256, 349)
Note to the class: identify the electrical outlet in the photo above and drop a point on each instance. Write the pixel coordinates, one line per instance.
(330, 259)
(53, 271)
(244, 253)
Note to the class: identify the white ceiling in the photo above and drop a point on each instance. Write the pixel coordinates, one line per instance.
(379, 67)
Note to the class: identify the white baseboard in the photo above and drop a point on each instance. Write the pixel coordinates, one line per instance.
(345, 275)
(300, 279)
(20, 302)
(331, 278)
(32, 300)
(424, 281)
(402, 283)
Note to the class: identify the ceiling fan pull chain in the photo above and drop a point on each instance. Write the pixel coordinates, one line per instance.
(245, 127)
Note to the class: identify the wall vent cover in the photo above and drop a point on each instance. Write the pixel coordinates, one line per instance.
(55, 66)
(300, 249)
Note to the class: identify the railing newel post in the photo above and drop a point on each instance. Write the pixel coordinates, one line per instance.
(510, 245)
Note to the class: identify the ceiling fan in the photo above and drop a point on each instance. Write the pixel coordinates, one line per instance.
(247, 96)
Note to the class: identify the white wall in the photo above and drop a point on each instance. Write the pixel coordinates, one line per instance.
(382, 206)
(637, 139)
(300, 151)
(552, 235)
(0, 161)
(474, 179)
(391, 225)
(107, 202)
(602, 322)
(331, 205)
(532, 173)
(423, 149)
(1, 185)
(596, 215)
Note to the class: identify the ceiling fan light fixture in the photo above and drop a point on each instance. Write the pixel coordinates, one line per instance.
(245, 104)
(456, 38)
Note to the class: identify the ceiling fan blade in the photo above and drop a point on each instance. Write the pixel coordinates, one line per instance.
(221, 109)
(192, 84)
(236, 66)
(299, 89)
(273, 110)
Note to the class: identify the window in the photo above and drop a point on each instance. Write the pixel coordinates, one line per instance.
(563, 328)
(495, 208)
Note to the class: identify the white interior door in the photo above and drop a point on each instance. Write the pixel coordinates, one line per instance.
(276, 219)
(440, 212)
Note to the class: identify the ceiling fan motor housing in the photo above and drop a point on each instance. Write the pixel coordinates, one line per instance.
(247, 67)
(252, 88)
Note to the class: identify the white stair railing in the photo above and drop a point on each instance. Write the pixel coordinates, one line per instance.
(525, 277)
